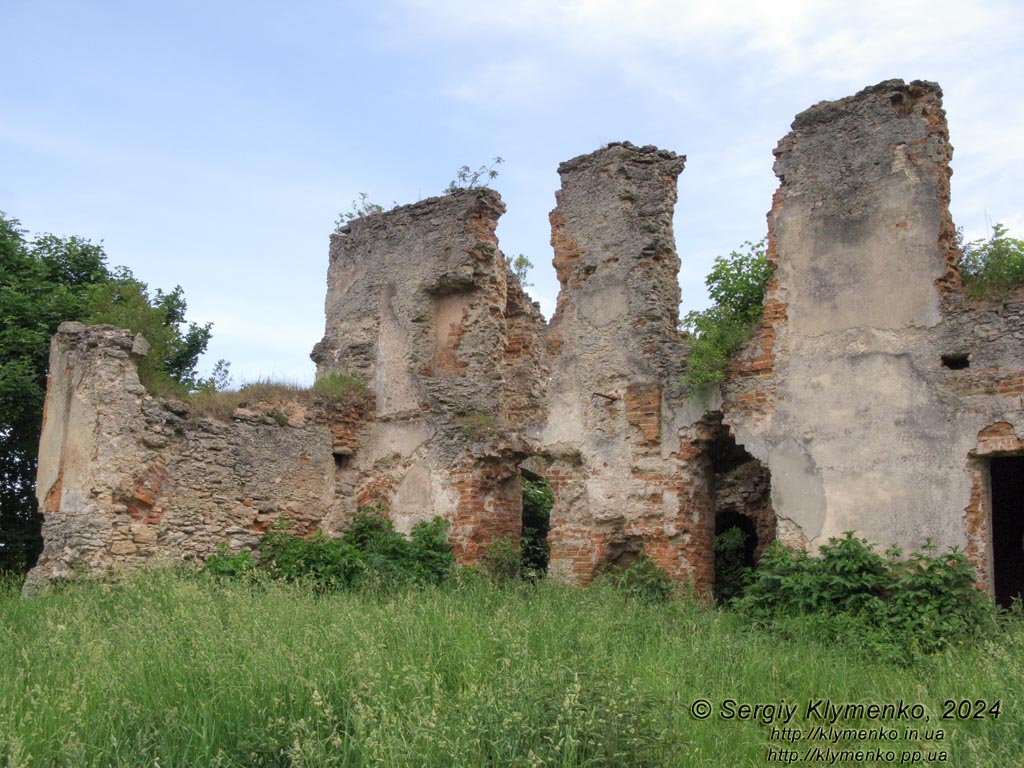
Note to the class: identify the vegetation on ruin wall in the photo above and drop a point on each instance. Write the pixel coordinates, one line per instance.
(218, 402)
(992, 268)
(465, 178)
(179, 670)
(43, 282)
(736, 286)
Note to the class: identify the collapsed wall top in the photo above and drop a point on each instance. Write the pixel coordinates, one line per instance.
(416, 306)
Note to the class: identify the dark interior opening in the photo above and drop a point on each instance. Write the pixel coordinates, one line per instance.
(957, 361)
(735, 545)
(1008, 528)
(535, 550)
(740, 487)
(729, 519)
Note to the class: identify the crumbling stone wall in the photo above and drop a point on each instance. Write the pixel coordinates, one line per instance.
(126, 478)
(872, 397)
(843, 392)
(422, 307)
(614, 355)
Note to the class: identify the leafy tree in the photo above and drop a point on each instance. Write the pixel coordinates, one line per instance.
(520, 266)
(41, 284)
(993, 267)
(44, 282)
(736, 285)
(171, 363)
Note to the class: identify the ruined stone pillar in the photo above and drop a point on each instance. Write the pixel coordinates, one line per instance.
(843, 392)
(614, 352)
(87, 452)
(423, 310)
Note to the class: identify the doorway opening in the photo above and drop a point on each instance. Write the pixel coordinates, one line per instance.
(535, 550)
(740, 488)
(1007, 474)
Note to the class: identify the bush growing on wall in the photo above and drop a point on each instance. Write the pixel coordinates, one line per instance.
(993, 267)
(736, 285)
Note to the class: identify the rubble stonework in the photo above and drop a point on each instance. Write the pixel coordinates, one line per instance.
(126, 478)
(872, 397)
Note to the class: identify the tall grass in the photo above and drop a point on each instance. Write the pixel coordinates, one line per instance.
(335, 389)
(179, 670)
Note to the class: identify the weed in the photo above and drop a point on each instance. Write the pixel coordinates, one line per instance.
(361, 208)
(221, 404)
(341, 388)
(476, 425)
(642, 580)
(465, 178)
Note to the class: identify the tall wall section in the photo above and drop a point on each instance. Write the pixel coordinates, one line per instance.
(847, 392)
(422, 307)
(615, 454)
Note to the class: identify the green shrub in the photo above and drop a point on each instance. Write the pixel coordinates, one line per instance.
(642, 580)
(897, 607)
(992, 268)
(430, 552)
(502, 560)
(933, 598)
(224, 562)
(370, 553)
(324, 563)
(736, 285)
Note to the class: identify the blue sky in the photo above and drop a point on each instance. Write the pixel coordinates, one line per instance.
(212, 144)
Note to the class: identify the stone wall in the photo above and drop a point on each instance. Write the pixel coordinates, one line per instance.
(872, 397)
(844, 393)
(423, 308)
(614, 355)
(126, 478)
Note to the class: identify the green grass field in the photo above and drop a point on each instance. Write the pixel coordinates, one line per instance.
(176, 670)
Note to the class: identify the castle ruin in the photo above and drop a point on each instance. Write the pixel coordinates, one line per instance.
(873, 396)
